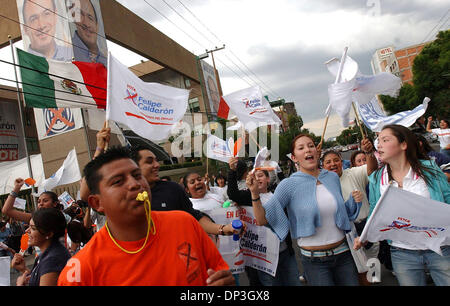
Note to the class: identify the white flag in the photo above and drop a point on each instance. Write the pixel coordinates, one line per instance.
(149, 109)
(67, 174)
(406, 217)
(219, 149)
(374, 118)
(19, 168)
(353, 86)
(251, 108)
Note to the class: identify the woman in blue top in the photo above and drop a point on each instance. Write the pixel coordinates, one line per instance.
(316, 216)
(408, 168)
(47, 226)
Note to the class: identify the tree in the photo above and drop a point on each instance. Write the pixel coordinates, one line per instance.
(431, 79)
(431, 75)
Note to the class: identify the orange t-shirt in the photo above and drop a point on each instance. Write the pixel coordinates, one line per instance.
(178, 255)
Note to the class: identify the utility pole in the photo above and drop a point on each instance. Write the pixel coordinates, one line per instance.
(219, 88)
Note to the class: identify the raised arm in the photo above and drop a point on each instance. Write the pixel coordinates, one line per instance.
(258, 209)
(8, 207)
(372, 163)
(430, 119)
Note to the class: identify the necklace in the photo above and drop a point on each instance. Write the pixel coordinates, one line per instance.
(143, 197)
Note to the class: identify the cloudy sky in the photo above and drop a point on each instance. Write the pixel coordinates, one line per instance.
(282, 45)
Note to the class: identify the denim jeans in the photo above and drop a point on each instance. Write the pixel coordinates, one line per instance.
(333, 270)
(409, 266)
(287, 272)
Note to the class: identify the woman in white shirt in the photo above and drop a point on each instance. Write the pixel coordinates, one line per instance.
(409, 169)
(443, 133)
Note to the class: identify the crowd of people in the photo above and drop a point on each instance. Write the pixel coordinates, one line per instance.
(132, 227)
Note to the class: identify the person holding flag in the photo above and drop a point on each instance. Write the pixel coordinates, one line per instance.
(317, 216)
(407, 168)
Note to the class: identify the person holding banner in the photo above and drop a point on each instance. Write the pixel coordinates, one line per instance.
(287, 273)
(138, 246)
(443, 132)
(409, 169)
(317, 216)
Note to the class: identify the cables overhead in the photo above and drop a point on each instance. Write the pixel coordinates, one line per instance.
(247, 75)
(428, 37)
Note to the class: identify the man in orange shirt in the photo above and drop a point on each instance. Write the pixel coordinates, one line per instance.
(136, 246)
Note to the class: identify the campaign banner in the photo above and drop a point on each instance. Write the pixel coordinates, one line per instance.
(66, 199)
(219, 149)
(259, 244)
(212, 90)
(228, 248)
(56, 121)
(87, 31)
(150, 110)
(11, 133)
(405, 217)
(257, 248)
(5, 271)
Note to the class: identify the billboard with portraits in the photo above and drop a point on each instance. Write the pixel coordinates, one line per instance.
(45, 28)
(87, 31)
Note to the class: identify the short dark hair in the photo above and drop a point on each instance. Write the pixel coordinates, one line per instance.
(134, 152)
(220, 176)
(353, 157)
(91, 170)
(50, 220)
(331, 152)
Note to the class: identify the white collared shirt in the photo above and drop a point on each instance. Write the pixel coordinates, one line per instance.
(412, 183)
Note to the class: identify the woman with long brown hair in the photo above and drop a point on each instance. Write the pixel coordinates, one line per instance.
(406, 167)
(317, 216)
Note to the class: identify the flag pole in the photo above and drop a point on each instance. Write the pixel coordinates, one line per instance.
(357, 121)
(338, 79)
(30, 169)
(86, 134)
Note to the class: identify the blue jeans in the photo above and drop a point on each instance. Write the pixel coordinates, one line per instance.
(287, 272)
(333, 270)
(409, 266)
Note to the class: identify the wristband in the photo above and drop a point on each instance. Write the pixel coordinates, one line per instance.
(99, 149)
(13, 194)
(256, 200)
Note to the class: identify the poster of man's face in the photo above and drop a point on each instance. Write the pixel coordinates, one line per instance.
(45, 28)
(87, 31)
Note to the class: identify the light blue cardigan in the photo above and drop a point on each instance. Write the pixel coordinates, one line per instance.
(297, 194)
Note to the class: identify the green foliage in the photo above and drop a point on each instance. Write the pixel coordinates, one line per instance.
(431, 70)
(353, 135)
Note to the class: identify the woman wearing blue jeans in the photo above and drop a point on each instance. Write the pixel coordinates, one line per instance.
(407, 168)
(316, 216)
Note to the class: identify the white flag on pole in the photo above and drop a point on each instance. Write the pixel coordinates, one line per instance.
(219, 149)
(251, 108)
(19, 168)
(373, 117)
(353, 86)
(149, 109)
(406, 217)
(67, 174)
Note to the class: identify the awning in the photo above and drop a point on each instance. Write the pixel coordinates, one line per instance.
(136, 140)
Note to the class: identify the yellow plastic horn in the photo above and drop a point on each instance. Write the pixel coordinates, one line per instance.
(142, 197)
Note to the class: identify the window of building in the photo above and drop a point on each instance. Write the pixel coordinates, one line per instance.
(194, 105)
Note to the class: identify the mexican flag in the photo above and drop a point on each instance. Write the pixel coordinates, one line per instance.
(55, 84)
